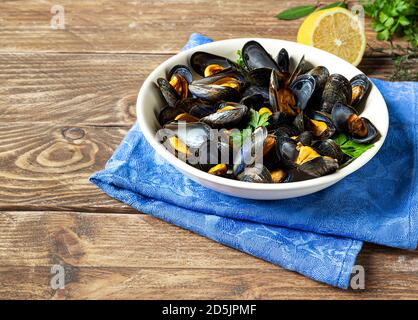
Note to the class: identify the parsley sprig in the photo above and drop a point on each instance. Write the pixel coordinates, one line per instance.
(393, 17)
(256, 120)
(351, 148)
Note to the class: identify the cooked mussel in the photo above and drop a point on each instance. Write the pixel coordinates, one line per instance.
(303, 88)
(337, 89)
(360, 87)
(168, 114)
(228, 115)
(280, 96)
(169, 93)
(347, 121)
(211, 63)
(256, 174)
(329, 148)
(225, 85)
(319, 123)
(193, 135)
(255, 56)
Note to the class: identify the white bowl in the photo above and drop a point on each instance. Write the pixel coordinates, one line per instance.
(150, 102)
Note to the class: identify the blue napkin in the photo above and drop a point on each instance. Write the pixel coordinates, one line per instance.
(318, 235)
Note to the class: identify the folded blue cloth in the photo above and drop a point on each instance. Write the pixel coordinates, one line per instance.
(318, 235)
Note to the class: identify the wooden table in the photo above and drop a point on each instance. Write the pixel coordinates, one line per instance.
(67, 98)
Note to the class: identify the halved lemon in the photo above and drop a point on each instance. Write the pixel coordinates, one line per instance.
(337, 31)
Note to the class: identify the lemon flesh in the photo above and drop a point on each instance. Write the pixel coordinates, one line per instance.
(337, 31)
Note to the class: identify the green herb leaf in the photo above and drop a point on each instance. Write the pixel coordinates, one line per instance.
(254, 118)
(240, 61)
(341, 4)
(263, 121)
(351, 148)
(296, 12)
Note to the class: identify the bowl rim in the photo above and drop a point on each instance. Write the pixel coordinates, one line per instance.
(202, 175)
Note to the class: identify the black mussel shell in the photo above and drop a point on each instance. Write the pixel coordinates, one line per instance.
(342, 115)
(256, 174)
(303, 88)
(321, 74)
(372, 135)
(201, 60)
(254, 90)
(181, 70)
(170, 95)
(255, 56)
(168, 114)
(255, 101)
(319, 167)
(325, 118)
(189, 103)
(214, 93)
(278, 119)
(299, 69)
(214, 152)
(287, 130)
(306, 138)
(226, 118)
(281, 97)
(360, 86)
(286, 151)
(329, 148)
(193, 134)
(283, 61)
(259, 77)
(202, 110)
(251, 150)
(337, 89)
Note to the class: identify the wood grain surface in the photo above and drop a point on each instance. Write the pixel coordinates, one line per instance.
(67, 98)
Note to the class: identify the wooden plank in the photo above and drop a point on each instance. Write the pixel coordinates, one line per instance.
(136, 256)
(88, 89)
(134, 25)
(47, 166)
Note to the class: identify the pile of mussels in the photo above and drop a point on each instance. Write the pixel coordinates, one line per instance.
(306, 108)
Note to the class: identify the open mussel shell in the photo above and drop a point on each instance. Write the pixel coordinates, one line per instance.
(181, 70)
(256, 174)
(192, 134)
(303, 88)
(168, 114)
(358, 129)
(281, 97)
(283, 61)
(329, 148)
(255, 56)
(299, 69)
(228, 115)
(360, 86)
(169, 93)
(337, 89)
(319, 167)
(319, 123)
(201, 60)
